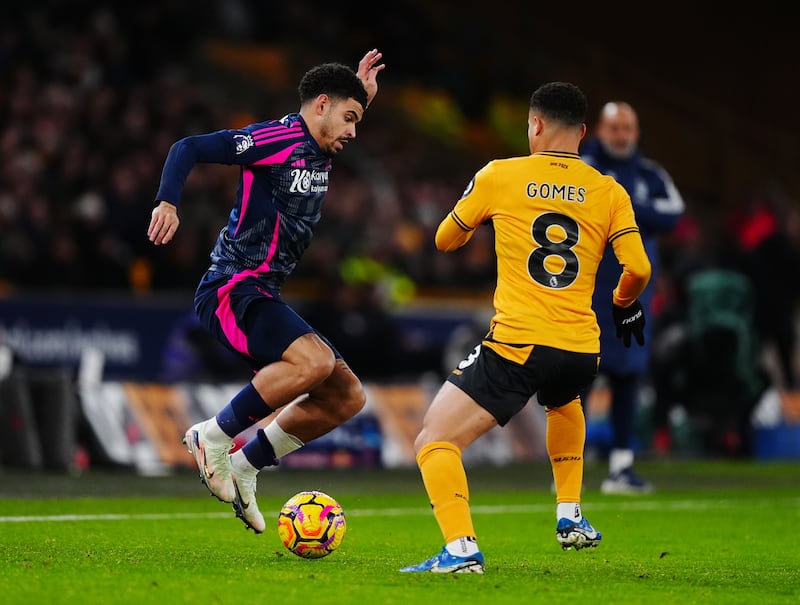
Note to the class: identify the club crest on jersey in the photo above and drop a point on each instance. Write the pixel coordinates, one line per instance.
(470, 187)
(243, 142)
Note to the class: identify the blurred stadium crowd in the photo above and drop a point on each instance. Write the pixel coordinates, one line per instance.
(91, 101)
(93, 94)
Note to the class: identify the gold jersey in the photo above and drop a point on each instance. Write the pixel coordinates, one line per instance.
(553, 216)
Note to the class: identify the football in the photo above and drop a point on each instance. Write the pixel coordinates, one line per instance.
(311, 524)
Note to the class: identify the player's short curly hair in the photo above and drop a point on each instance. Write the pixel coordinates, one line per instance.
(333, 79)
(560, 101)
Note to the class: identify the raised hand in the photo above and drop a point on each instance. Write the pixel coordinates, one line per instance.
(368, 69)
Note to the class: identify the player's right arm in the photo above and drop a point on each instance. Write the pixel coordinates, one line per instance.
(221, 147)
(182, 156)
(164, 223)
(452, 233)
(470, 212)
(215, 147)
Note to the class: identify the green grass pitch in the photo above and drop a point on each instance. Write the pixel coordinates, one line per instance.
(713, 532)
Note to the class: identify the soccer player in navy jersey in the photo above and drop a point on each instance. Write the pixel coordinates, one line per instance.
(284, 168)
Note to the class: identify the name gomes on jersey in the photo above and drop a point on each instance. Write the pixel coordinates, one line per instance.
(308, 181)
(553, 262)
(554, 191)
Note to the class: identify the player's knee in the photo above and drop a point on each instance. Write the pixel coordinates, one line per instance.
(421, 441)
(321, 366)
(352, 400)
(345, 396)
(314, 369)
(312, 361)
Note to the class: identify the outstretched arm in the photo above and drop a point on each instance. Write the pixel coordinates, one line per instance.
(368, 69)
(217, 147)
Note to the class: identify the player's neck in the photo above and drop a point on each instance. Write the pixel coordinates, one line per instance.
(558, 143)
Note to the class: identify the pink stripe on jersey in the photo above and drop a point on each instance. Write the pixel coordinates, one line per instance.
(274, 244)
(267, 133)
(247, 186)
(277, 158)
(224, 313)
(284, 136)
(278, 127)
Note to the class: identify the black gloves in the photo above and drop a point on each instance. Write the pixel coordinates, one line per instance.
(629, 320)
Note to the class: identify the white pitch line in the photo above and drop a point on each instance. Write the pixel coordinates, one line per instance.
(631, 505)
(638, 504)
(114, 517)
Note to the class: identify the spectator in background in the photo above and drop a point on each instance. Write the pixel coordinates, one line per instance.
(614, 150)
(767, 235)
(89, 102)
(86, 100)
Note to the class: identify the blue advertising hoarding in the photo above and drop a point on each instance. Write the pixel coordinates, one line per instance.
(54, 330)
(145, 338)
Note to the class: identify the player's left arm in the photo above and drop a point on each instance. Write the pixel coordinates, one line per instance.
(626, 241)
(368, 69)
(627, 311)
(636, 270)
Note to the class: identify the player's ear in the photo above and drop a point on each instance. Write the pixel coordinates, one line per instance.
(321, 104)
(536, 124)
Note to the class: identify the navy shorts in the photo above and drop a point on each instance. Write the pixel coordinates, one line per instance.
(503, 387)
(249, 320)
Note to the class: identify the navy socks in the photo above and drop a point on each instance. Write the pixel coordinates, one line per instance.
(244, 410)
(259, 451)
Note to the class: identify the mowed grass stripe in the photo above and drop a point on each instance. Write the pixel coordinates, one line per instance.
(616, 505)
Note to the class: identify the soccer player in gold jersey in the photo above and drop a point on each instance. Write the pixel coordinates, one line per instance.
(553, 216)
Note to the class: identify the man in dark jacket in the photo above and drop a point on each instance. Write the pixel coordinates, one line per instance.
(658, 206)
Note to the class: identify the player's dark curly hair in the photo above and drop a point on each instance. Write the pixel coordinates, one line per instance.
(336, 80)
(560, 101)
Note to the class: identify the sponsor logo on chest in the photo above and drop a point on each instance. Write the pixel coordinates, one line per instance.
(308, 181)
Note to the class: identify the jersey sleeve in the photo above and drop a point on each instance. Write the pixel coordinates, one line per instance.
(629, 250)
(267, 143)
(469, 212)
(182, 157)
